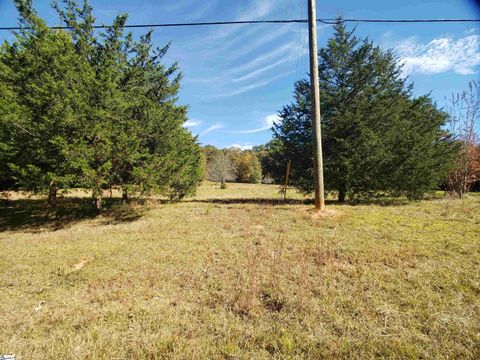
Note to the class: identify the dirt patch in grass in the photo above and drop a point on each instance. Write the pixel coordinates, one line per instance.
(327, 213)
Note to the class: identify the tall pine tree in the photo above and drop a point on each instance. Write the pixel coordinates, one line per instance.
(135, 139)
(377, 136)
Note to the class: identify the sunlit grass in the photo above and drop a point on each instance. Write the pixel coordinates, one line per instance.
(224, 276)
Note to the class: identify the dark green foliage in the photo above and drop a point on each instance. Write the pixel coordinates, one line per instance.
(96, 111)
(273, 161)
(377, 137)
(8, 110)
(44, 82)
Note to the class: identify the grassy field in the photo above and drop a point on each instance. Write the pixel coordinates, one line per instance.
(236, 274)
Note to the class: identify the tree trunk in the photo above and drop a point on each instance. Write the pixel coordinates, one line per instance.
(97, 201)
(52, 195)
(125, 196)
(342, 192)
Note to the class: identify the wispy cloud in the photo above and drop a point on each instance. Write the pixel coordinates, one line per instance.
(212, 128)
(258, 9)
(255, 10)
(258, 84)
(245, 73)
(255, 67)
(257, 72)
(203, 10)
(443, 54)
(267, 124)
(259, 40)
(192, 123)
(259, 60)
(177, 5)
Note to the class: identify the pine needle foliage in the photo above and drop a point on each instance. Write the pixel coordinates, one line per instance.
(377, 137)
(92, 110)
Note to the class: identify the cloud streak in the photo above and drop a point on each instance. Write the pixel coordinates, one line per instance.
(440, 55)
(243, 89)
(257, 72)
(268, 123)
(192, 123)
(257, 41)
(212, 128)
(255, 67)
(266, 57)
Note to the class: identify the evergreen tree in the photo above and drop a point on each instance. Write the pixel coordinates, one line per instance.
(9, 111)
(273, 161)
(136, 138)
(91, 110)
(171, 149)
(377, 137)
(45, 86)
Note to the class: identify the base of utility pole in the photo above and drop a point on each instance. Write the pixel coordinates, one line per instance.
(320, 207)
(315, 101)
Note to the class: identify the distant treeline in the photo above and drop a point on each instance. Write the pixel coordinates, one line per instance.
(233, 164)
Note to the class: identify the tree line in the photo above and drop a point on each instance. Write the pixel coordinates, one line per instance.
(94, 110)
(233, 164)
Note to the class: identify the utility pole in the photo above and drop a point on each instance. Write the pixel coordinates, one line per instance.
(315, 99)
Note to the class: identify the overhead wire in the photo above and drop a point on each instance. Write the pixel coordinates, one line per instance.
(300, 33)
(281, 21)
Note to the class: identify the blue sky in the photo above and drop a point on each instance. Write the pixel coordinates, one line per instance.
(236, 78)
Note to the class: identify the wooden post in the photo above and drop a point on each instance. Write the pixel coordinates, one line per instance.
(315, 100)
(287, 175)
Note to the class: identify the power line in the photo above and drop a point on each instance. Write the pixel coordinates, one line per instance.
(301, 9)
(287, 21)
(336, 21)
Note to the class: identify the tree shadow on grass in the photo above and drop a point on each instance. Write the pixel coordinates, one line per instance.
(280, 202)
(253, 201)
(34, 215)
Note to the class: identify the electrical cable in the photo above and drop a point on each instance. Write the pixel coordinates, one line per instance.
(286, 21)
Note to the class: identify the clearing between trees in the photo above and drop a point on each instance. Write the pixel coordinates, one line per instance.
(236, 274)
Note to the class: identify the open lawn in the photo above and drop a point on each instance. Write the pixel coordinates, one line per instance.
(236, 274)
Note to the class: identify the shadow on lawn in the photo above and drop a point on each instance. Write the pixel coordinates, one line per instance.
(279, 202)
(35, 215)
(254, 201)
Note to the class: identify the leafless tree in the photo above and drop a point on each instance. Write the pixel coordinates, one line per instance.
(464, 111)
(221, 169)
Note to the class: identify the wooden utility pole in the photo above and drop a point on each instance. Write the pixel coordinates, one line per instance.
(315, 99)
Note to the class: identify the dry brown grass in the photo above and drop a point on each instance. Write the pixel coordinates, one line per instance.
(223, 276)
